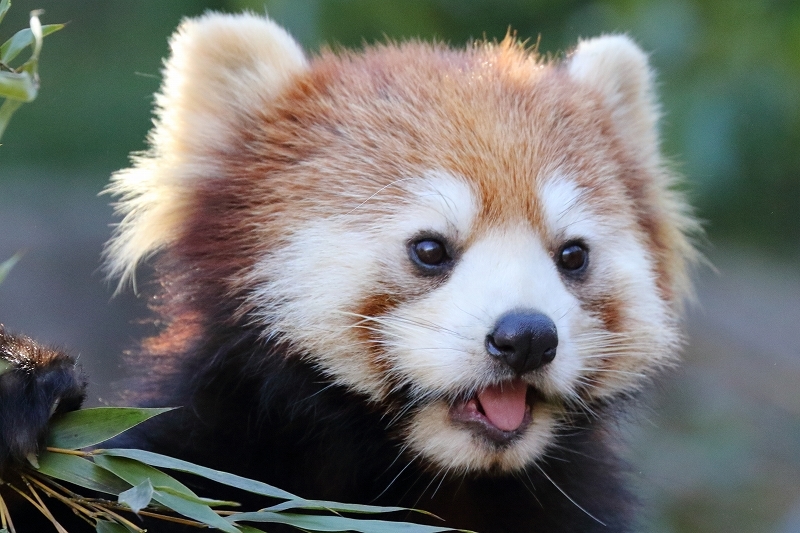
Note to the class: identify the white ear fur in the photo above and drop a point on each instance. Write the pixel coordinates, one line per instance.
(222, 69)
(618, 69)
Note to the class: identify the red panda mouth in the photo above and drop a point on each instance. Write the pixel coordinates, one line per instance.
(500, 412)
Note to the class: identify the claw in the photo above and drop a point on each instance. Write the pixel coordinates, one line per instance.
(54, 406)
(33, 460)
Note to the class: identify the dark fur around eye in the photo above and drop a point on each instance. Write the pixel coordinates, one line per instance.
(573, 258)
(430, 254)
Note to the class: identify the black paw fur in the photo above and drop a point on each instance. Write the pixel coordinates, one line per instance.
(36, 383)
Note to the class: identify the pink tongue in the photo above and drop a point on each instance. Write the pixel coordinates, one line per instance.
(504, 404)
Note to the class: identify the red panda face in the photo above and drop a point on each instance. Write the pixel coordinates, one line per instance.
(478, 243)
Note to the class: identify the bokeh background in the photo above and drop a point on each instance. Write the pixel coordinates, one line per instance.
(719, 448)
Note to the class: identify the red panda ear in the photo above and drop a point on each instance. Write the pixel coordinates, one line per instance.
(222, 70)
(617, 68)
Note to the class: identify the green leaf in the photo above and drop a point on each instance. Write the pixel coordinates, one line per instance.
(8, 264)
(5, 366)
(195, 511)
(243, 529)
(336, 523)
(110, 527)
(135, 473)
(6, 111)
(87, 427)
(321, 505)
(4, 7)
(198, 499)
(19, 86)
(232, 480)
(137, 497)
(81, 472)
(23, 39)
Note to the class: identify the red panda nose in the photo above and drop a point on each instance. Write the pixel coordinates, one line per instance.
(523, 340)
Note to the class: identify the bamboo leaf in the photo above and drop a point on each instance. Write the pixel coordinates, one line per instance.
(6, 111)
(197, 499)
(195, 511)
(137, 497)
(243, 529)
(38, 37)
(81, 472)
(336, 523)
(135, 473)
(4, 7)
(19, 86)
(110, 527)
(321, 505)
(231, 480)
(87, 427)
(23, 39)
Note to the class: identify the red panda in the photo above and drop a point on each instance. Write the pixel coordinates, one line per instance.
(411, 275)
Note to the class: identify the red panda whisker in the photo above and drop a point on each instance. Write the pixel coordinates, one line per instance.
(376, 193)
(410, 462)
(613, 371)
(391, 320)
(590, 515)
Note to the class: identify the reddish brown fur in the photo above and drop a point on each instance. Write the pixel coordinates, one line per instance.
(374, 306)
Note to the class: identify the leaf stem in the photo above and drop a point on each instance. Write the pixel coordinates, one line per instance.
(94, 510)
(120, 519)
(175, 519)
(79, 453)
(6, 516)
(100, 507)
(45, 511)
(70, 501)
(30, 500)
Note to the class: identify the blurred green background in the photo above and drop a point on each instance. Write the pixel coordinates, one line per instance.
(720, 451)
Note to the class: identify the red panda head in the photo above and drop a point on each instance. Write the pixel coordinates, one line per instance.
(479, 242)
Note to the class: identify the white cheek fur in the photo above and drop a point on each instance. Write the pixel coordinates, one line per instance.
(306, 291)
(622, 266)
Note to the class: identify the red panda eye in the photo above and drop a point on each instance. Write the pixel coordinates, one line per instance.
(573, 257)
(429, 253)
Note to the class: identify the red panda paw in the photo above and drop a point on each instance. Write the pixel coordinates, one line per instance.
(35, 383)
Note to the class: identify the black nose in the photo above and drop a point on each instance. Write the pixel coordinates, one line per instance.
(524, 340)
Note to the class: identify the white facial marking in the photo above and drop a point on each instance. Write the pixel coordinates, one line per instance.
(308, 290)
(565, 210)
(622, 268)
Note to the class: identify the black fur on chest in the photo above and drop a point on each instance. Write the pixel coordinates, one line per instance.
(251, 409)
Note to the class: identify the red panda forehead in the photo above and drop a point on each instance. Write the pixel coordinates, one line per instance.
(497, 116)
